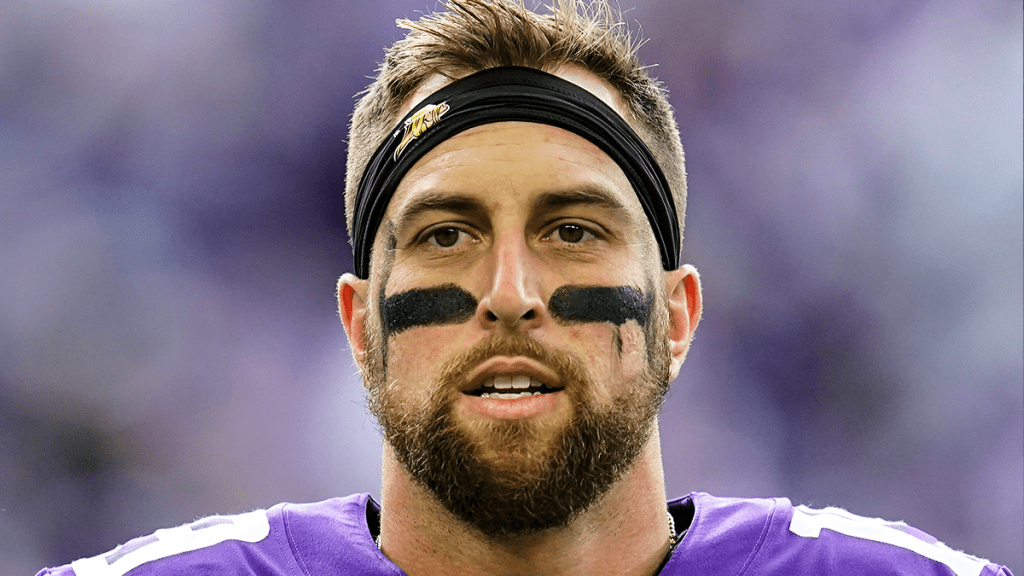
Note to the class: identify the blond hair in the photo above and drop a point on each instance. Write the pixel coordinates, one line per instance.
(474, 35)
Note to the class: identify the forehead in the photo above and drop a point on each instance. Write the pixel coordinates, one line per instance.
(520, 169)
(507, 165)
(547, 153)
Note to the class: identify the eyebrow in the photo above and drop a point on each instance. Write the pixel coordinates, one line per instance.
(590, 195)
(443, 201)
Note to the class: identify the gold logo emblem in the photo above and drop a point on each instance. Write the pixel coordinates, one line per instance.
(420, 122)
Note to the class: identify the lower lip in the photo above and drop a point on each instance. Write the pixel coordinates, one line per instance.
(514, 409)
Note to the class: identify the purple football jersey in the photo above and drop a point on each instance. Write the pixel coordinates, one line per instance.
(771, 537)
(725, 536)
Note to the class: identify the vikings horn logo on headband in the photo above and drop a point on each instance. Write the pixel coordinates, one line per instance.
(420, 122)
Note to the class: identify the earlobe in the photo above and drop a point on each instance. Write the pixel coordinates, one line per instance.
(352, 308)
(682, 289)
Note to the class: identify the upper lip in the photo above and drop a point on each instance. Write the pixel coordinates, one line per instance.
(511, 365)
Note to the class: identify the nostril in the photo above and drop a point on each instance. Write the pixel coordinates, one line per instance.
(491, 316)
(530, 315)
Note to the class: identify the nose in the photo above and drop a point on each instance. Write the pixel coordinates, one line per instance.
(513, 299)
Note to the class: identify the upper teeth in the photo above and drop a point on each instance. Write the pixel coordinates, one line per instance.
(519, 381)
(508, 387)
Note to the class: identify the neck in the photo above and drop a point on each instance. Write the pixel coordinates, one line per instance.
(625, 532)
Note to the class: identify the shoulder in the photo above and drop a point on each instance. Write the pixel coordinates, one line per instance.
(766, 537)
(271, 542)
(225, 542)
(833, 536)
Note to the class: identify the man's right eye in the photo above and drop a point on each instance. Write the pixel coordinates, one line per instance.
(446, 237)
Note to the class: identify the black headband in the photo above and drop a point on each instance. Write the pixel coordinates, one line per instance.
(520, 95)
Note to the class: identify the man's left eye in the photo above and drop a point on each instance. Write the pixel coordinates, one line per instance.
(572, 233)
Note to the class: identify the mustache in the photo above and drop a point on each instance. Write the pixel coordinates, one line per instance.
(568, 367)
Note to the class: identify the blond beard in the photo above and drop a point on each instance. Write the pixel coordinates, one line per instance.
(516, 478)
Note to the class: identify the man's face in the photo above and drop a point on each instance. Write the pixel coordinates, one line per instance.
(517, 328)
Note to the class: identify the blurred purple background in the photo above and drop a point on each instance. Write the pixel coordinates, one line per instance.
(171, 230)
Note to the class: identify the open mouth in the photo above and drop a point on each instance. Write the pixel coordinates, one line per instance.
(511, 387)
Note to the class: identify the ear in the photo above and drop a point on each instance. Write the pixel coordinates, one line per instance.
(682, 289)
(352, 300)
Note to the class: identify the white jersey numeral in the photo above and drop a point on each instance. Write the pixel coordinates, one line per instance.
(808, 522)
(250, 527)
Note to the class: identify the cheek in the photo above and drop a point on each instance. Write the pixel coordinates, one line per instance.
(411, 354)
(634, 343)
(415, 358)
(616, 352)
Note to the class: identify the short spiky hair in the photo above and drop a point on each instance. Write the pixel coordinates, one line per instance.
(474, 35)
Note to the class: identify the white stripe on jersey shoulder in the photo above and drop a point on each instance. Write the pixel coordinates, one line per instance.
(250, 527)
(808, 523)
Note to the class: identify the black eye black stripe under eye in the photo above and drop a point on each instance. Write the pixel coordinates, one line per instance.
(616, 304)
(449, 304)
